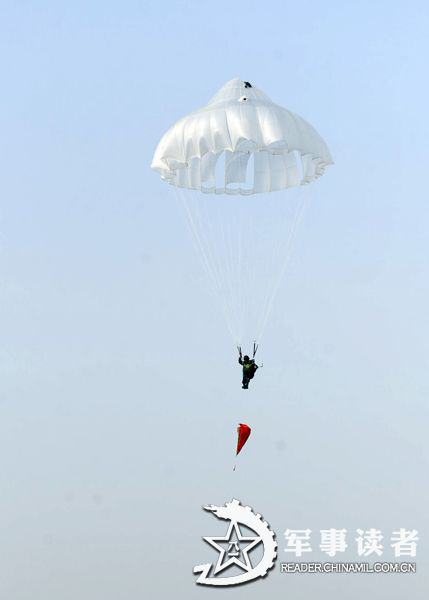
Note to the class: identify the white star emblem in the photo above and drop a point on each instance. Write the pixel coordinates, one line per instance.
(233, 529)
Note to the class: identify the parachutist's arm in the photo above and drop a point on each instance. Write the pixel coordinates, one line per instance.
(239, 360)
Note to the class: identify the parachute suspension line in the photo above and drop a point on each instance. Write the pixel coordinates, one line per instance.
(255, 305)
(201, 247)
(200, 210)
(221, 250)
(246, 264)
(287, 254)
(237, 262)
(221, 243)
(240, 283)
(235, 240)
(207, 235)
(229, 258)
(198, 242)
(283, 250)
(207, 246)
(233, 254)
(230, 276)
(218, 261)
(242, 260)
(276, 254)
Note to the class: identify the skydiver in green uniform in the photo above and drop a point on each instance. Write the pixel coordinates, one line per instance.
(249, 366)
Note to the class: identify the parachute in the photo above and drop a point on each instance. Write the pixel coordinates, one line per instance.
(239, 121)
(243, 435)
(224, 161)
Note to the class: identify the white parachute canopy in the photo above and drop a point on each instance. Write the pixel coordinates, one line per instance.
(242, 143)
(240, 121)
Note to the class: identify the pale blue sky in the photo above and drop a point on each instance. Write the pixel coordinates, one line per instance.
(119, 391)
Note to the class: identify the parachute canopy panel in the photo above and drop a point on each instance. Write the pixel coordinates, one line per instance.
(241, 143)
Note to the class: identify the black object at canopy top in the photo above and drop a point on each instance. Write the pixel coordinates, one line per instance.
(247, 84)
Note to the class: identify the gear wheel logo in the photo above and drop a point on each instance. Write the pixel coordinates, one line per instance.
(234, 547)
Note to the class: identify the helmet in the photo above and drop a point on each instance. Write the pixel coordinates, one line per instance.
(246, 357)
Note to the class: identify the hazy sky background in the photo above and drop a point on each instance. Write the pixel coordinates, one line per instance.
(119, 390)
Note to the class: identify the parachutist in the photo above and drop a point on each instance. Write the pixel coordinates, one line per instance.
(249, 367)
